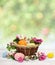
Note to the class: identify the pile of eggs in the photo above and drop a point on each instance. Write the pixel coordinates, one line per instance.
(23, 42)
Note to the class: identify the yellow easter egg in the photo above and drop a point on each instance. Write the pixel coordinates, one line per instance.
(50, 55)
(31, 44)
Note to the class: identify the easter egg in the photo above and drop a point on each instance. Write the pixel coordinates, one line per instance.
(22, 42)
(19, 56)
(5, 53)
(50, 55)
(26, 58)
(30, 44)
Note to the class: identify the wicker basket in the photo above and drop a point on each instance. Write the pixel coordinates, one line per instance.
(27, 50)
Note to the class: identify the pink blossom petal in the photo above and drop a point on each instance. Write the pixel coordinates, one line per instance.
(20, 59)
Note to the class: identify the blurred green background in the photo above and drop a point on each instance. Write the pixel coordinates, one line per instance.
(26, 17)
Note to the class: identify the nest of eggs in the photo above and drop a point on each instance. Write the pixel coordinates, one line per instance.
(28, 49)
(26, 46)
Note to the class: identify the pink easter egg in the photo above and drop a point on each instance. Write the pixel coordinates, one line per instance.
(19, 55)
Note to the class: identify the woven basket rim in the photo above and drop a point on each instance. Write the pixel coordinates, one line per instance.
(23, 46)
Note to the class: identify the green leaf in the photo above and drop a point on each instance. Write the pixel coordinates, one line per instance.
(9, 48)
(16, 40)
